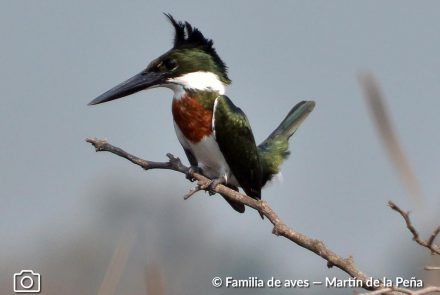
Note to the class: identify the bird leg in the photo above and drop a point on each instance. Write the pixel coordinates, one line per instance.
(191, 170)
(213, 184)
(210, 186)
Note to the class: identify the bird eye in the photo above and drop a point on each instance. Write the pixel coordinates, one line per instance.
(170, 64)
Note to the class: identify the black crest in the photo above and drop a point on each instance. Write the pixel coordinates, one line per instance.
(188, 36)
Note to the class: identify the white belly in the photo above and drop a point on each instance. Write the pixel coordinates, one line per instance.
(209, 157)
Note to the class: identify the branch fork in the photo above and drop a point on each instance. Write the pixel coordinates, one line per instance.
(429, 243)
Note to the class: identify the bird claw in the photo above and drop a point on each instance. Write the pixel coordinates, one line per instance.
(191, 171)
(213, 184)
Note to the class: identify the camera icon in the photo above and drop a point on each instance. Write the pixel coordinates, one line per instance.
(27, 281)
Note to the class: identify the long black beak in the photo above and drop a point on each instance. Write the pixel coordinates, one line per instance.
(136, 83)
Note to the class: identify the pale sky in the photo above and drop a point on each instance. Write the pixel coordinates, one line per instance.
(56, 56)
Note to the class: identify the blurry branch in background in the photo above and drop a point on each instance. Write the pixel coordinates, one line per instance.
(279, 227)
(376, 103)
(118, 262)
(429, 243)
(432, 267)
(381, 118)
(154, 281)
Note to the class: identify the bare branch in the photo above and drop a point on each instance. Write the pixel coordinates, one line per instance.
(173, 163)
(394, 291)
(279, 227)
(435, 249)
(433, 236)
(196, 189)
(427, 290)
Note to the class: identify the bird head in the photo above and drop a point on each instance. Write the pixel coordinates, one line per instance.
(192, 63)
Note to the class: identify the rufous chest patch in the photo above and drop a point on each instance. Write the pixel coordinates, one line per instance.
(193, 119)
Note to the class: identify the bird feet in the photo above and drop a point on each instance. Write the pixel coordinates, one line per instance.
(191, 170)
(213, 184)
(209, 186)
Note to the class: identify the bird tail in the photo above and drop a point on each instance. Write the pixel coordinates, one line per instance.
(275, 149)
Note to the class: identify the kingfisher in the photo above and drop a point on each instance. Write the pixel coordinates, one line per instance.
(214, 133)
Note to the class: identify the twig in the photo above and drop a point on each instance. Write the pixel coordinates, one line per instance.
(433, 236)
(394, 290)
(279, 227)
(435, 249)
(196, 189)
(427, 290)
(378, 292)
(172, 164)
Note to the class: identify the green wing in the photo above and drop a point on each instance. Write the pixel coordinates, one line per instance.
(236, 141)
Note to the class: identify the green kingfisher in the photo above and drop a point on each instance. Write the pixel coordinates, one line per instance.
(214, 133)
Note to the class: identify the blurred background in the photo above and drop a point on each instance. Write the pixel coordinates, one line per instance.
(96, 224)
